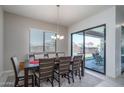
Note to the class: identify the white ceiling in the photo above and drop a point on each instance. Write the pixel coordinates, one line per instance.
(69, 14)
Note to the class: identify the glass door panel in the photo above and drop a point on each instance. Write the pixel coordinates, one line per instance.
(94, 49)
(77, 43)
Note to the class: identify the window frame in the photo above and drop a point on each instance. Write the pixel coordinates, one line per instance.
(44, 31)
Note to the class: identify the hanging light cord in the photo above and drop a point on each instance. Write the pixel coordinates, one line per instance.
(58, 19)
(58, 25)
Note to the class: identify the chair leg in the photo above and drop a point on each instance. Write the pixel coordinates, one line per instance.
(68, 79)
(79, 74)
(16, 82)
(52, 82)
(38, 83)
(32, 81)
(47, 79)
(72, 76)
(59, 80)
(62, 76)
(35, 81)
(75, 73)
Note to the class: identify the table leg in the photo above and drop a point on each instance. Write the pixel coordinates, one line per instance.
(26, 78)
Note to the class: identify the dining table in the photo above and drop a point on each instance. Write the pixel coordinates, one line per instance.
(28, 66)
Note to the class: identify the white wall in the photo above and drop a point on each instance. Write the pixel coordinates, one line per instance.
(119, 23)
(1, 40)
(105, 17)
(17, 36)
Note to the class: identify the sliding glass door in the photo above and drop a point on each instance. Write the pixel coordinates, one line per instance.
(94, 49)
(91, 43)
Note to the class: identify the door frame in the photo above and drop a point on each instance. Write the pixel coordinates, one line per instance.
(83, 31)
(122, 71)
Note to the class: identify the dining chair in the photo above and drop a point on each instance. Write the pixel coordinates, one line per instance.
(98, 58)
(32, 56)
(76, 65)
(46, 71)
(19, 74)
(63, 69)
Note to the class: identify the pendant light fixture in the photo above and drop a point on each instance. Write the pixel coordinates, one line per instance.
(57, 36)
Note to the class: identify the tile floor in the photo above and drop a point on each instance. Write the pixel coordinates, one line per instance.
(107, 82)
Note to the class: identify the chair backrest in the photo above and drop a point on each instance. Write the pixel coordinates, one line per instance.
(76, 62)
(94, 56)
(98, 58)
(52, 55)
(15, 64)
(46, 68)
(32, 57)
(64, 65)
(46, 55)
(61, 54)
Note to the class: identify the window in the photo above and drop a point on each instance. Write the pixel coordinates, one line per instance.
(41, 41)
(49, 43)
(36, 40)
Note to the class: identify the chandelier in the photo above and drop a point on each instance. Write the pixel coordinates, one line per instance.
(58, 36)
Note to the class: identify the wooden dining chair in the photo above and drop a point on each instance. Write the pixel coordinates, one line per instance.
(76, 65)
(46, 71)
(63, 69)
(46, 55)
(19, 75)
(32, 56)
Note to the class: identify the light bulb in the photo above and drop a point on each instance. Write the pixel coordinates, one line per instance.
(61, 37)
(58, 36)
(53, 37)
